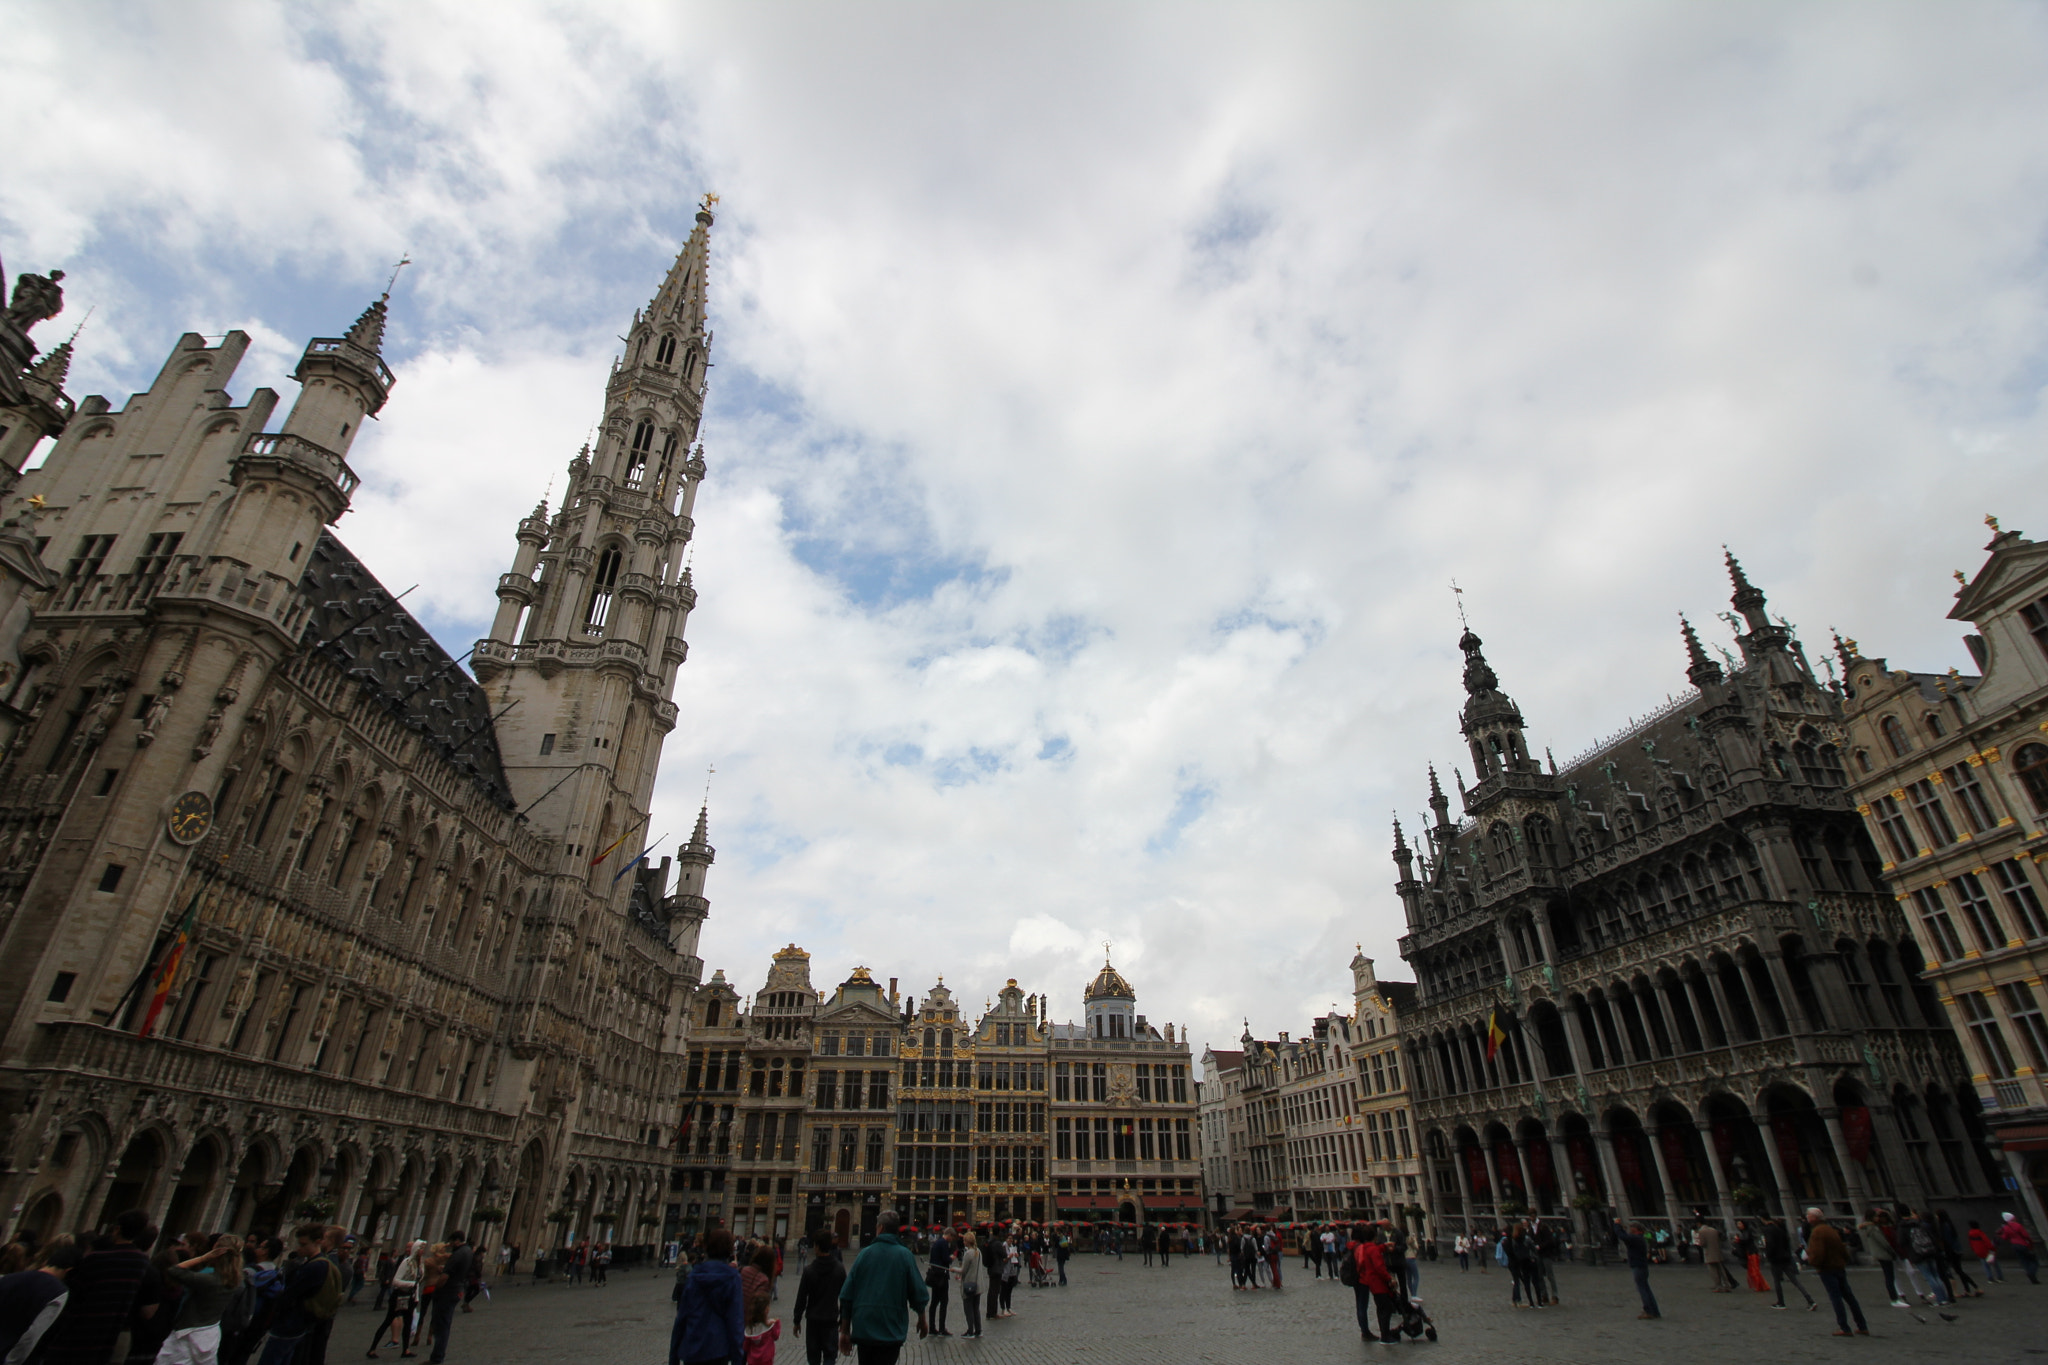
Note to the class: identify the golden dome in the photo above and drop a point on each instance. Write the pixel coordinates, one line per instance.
(1109, 984)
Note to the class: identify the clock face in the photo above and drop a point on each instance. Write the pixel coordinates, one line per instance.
(191, 816)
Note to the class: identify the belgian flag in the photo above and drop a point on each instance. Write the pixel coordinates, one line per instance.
(166, 974)
(1495, 1034)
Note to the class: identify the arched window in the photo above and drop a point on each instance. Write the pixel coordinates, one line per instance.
(665, 349)
(1895, 736)
(1863, 760)
(1667, 804)
(1503, 846)
(601, 591)
(1934, 725)
(636, 458)
(1542, 843)
(2030, 765)
(711, 1015)
(931, 1039)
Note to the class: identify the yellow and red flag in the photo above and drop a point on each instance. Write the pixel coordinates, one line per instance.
(1495, 1034)
(166, 974)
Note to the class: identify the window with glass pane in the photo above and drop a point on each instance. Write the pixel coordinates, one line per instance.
(1940, 932)
(2025, 1013)
(1977, 1013)
(1063, 1139)
(1060, 1081)
(2021, 899)
(2030, 766)
(1978, 912)
(2035, 615)
(1891, 821)
(1933, 815)
(1971, 797)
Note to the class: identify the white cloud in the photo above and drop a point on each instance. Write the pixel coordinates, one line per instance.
(1105, 401)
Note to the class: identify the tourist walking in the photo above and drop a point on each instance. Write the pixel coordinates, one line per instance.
(2014, 1234)
(1063, 1247)
(1749, 1252)
(817, 1302)
(1638, 1251)
(456, 1272)
(1828, 1254)
(938, 1277)
(1778, 1250)
(1922, 1254)
(1876, 1234)
(710, 1326)
(967, 1273)
(1986, 1252)
(879, 1290)
(403, 1298)
(1462, 1248)
(1711, 1251)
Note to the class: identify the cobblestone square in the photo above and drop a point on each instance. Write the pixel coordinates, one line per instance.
(1120, 1311)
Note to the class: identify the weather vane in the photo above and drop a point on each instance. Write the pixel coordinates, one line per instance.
(1461, 604)
(403, 261)
(709, 770)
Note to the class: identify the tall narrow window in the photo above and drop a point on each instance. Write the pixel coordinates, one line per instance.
(1897, 834)
(1977, 912)
(1970, 796)
(1977, 1013)
(2027, 1022)
(1933, 816)
(2035, 614)
(1895, 736)
(2021, 898)
(665, 349)
(2030, 765)
(1940, 935)
(605, 583)
(636, 457)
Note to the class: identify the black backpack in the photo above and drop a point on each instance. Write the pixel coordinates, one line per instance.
(1347, 1269)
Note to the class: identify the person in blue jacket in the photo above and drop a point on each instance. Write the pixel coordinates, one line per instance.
(710, 1324)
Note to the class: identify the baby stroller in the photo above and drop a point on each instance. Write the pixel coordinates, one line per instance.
(1037, 1265)
(1414, 1321)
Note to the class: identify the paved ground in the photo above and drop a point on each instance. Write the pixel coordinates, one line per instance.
(1115, 1313)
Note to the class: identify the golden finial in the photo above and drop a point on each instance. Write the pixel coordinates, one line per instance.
(1992, 522)
(36, 502)
(1962, 580)
(709, 199)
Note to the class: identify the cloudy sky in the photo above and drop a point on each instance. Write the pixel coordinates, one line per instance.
(1107, 396)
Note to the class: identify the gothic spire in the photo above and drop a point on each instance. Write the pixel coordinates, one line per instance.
(1703, 671)
(368, 331)
(1747, 598)
(54, 366)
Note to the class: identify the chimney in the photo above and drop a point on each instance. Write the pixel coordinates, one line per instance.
(892, 990)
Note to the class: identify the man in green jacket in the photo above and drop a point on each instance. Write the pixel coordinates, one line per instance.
(871, 1303)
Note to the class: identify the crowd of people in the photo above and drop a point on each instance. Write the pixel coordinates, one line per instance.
(726, 1288)
(131, 1296)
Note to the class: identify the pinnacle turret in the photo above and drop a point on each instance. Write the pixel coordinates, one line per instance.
(368, 331)
(55, 366)
(1702, 670)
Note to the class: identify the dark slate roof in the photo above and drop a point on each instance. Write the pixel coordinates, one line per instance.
(361, 628)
